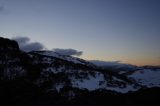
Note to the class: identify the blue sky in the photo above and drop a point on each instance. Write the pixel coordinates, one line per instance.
(111, 30)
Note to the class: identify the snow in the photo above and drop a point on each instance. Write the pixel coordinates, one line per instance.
(53, 70)
(47, 60)
(60, 69)
(59, 86)
(92, 83)
(116, 79)
(123, 90)
(147, 77)
(14, 73)
(64, 57)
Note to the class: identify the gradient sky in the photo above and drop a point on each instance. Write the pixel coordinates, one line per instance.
(111, 30)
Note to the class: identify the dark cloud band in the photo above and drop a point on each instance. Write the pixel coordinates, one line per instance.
(26, 45)
(70, 52)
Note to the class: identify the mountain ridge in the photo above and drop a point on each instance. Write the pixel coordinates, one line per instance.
(48, 78)
(43, 65)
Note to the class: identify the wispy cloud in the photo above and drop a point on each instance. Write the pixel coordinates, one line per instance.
(26, 44)
(71, 52)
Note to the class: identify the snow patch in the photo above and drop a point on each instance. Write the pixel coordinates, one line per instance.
(92, 83)
(147, 77)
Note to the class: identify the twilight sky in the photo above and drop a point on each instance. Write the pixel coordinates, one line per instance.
(110, 30)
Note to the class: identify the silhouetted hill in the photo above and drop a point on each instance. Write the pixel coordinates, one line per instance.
(7, 44)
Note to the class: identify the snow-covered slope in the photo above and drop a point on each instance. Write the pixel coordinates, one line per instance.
(64, 57)
(82, 76)
(147, 77)
(117, 66)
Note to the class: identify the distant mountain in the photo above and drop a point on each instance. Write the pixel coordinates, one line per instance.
(148, 76)
(69, 77)
(114, 65)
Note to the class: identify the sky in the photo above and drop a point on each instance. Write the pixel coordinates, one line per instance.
(108, 30)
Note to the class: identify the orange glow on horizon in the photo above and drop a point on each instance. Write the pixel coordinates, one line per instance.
(134, 61)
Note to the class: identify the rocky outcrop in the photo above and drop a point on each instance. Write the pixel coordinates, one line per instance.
(8, 45)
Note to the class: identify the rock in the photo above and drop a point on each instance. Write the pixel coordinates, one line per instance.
(8, 45)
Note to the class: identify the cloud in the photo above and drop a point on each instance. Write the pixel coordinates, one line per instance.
(26, 45)
(70, 52)
(36, 46)
(21, 40)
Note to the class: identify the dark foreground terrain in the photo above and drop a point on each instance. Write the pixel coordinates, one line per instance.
(22, 93)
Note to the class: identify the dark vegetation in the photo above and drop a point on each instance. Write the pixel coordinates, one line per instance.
(7, 44)
(23, 93)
